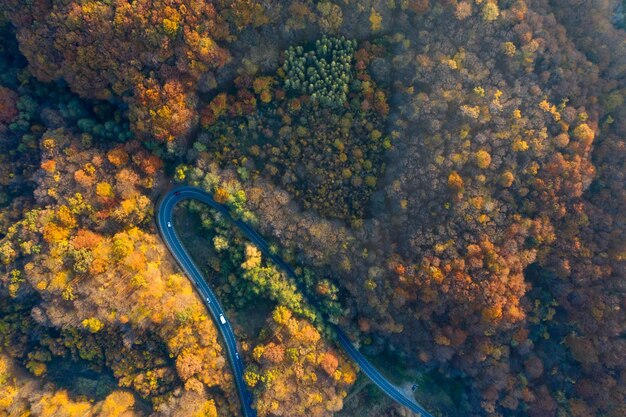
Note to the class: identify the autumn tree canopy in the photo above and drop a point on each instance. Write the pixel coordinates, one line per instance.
(445, 177)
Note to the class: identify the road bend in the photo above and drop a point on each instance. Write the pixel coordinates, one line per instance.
(165, 225)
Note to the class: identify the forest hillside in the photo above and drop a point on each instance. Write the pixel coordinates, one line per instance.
(446, 177)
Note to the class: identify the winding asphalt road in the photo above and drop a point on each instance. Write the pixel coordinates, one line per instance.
(165, 225)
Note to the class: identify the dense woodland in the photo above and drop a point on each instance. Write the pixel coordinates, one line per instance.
(446, 177)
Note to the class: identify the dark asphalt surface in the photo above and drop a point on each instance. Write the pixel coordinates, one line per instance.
(165, 225)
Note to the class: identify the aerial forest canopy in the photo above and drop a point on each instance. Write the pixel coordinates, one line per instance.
(446, 177)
